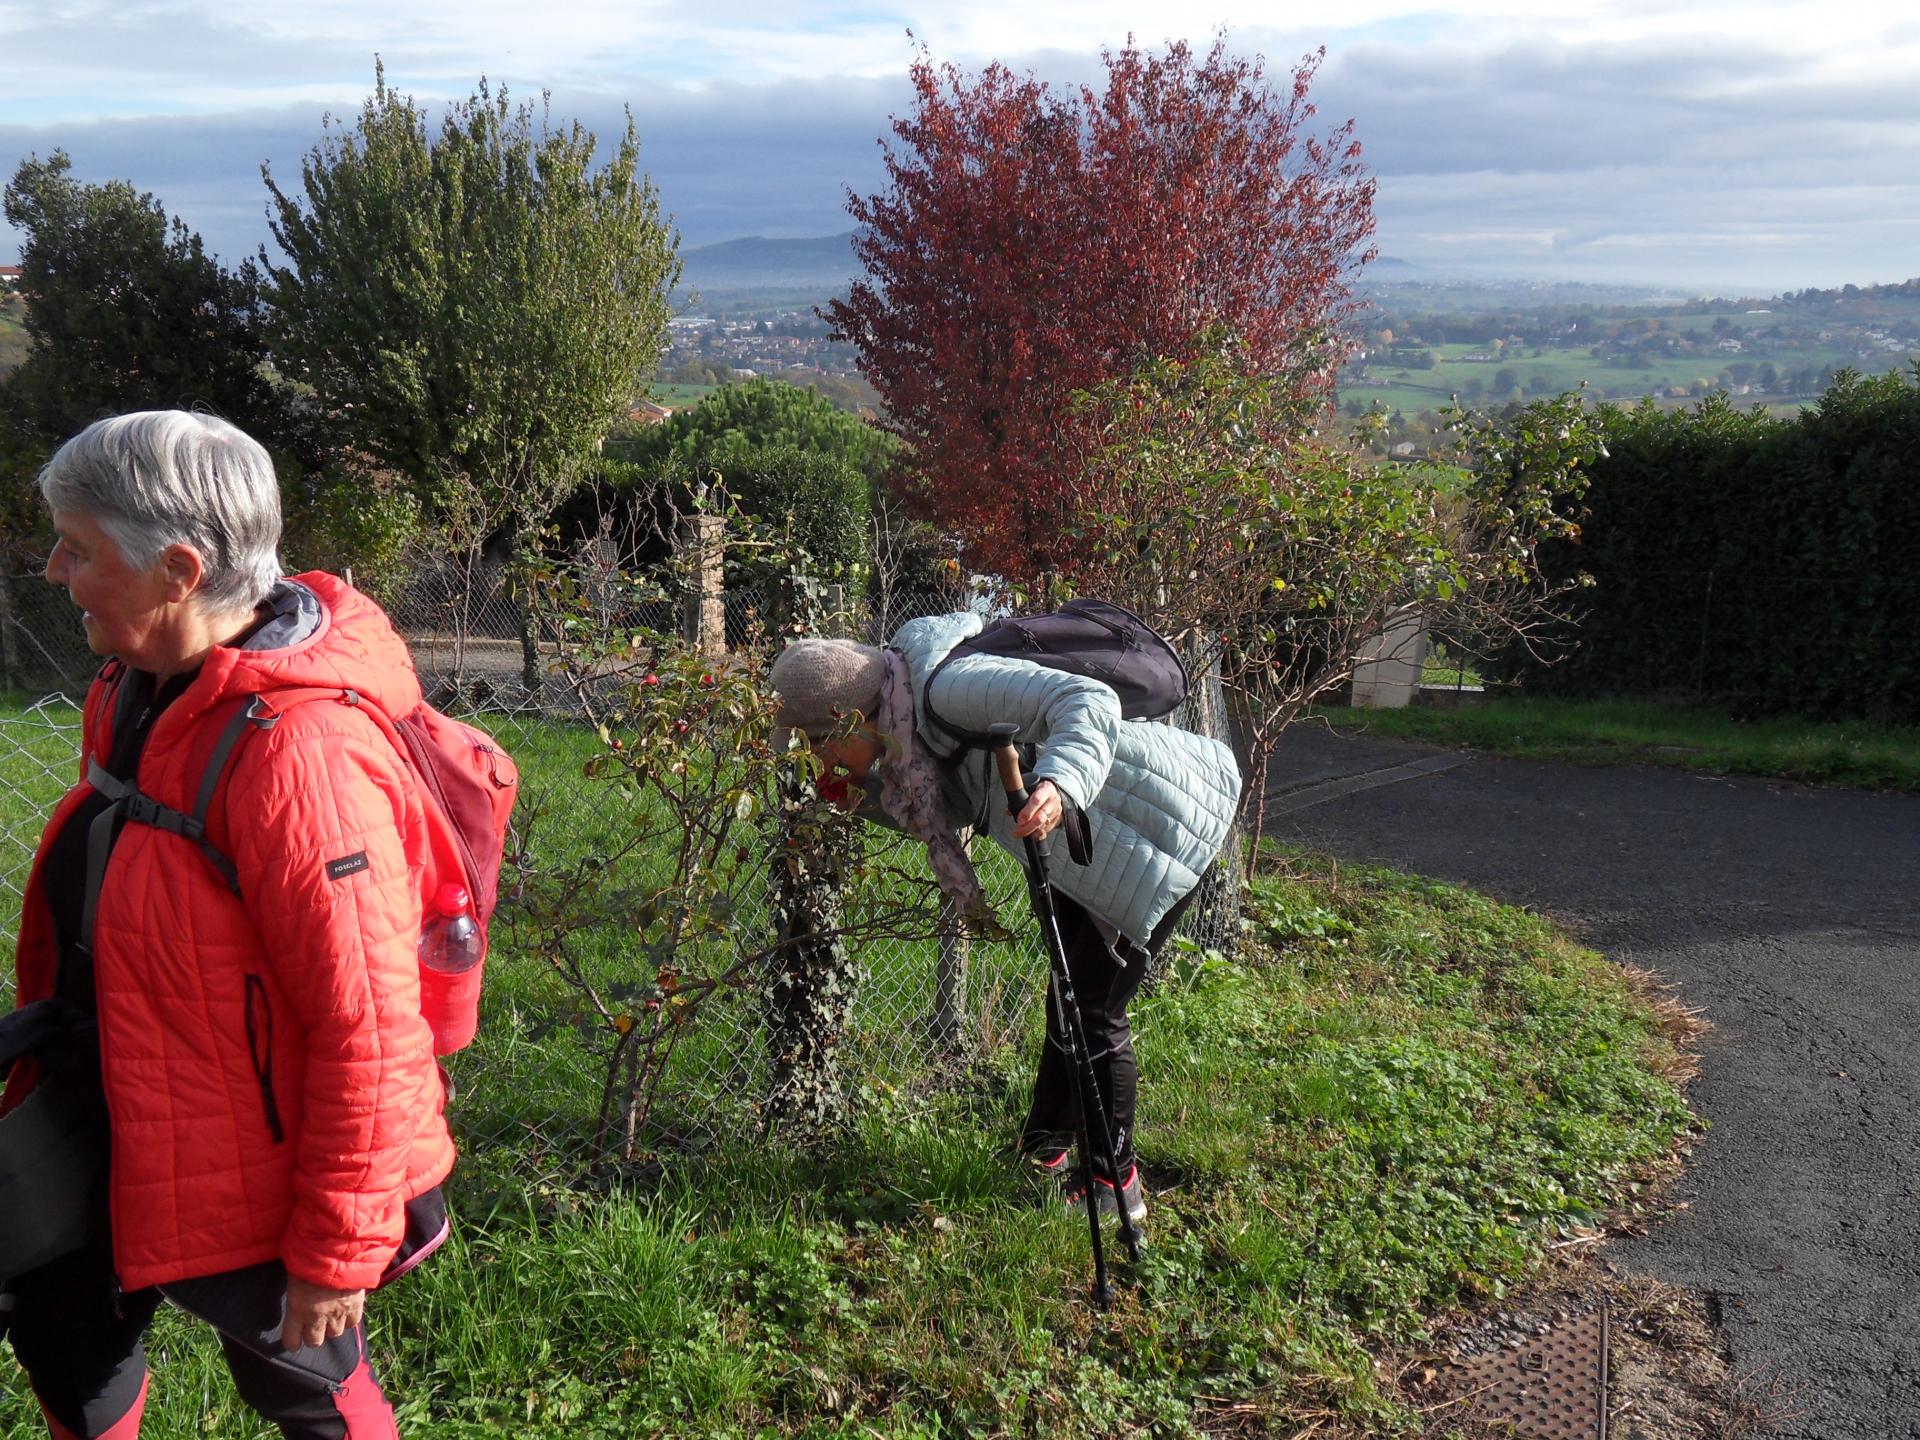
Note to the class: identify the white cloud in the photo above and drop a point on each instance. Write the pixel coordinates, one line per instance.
(1648, 136)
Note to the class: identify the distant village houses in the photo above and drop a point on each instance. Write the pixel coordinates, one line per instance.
(649, 412)
(10, 278)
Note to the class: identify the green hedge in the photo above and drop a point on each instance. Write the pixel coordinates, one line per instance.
(1762, 565)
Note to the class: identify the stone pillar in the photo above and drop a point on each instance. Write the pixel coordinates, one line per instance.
(1387, 672)
(703, 620)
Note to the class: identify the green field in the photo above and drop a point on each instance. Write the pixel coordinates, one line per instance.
(679, 396)
(1553, 370)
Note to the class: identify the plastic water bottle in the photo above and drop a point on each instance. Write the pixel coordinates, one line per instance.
(451, 948)
(451, 942)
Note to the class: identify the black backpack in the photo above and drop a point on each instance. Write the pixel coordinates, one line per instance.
(1096, 638)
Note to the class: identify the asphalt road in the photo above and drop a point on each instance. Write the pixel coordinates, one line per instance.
(1792, 916)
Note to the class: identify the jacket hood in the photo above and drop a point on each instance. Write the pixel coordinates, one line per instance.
(923, 643)
(322, 633)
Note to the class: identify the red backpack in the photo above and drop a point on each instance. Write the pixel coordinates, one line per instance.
(469, 783)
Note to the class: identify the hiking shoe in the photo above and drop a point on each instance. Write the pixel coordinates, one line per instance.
(1074, 1192)
(1050, 1161)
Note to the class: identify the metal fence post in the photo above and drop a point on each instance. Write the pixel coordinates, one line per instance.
(950, 973)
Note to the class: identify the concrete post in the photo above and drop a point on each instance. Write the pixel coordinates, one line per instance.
(703, 621)
(1388, 672)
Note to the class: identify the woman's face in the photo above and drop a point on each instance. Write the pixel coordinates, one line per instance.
(845, 761)
(122, 608)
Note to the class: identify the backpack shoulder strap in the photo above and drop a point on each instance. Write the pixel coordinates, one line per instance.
(244, 717)
(961, 740)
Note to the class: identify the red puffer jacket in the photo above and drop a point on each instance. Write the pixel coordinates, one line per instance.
(271, 1084)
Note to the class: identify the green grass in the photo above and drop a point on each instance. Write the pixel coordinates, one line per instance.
(1603, 732)
(1441, 667)
(1385, 1107)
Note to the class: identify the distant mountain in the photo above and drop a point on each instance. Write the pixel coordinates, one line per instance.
(823, 263)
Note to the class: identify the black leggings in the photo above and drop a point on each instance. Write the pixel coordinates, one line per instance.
(1104, 989)
(83, 1348)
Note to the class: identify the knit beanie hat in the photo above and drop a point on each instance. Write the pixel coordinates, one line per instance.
(820, 683)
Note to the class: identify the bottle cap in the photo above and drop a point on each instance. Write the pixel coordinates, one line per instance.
(452, 898)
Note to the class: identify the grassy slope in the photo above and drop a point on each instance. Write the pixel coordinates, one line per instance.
(1386, 1106)
(1645, 732)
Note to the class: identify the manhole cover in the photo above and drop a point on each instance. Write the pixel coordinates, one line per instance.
(1551, 1386)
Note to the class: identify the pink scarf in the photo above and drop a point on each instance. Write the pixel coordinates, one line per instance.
(910, 793)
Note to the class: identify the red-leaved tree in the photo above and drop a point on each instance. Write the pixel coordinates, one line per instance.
(1031, 245)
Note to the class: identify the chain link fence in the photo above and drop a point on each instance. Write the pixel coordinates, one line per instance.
(928, 1007)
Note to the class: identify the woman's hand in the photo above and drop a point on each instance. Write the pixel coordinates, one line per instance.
(1042, 813)
(316, 1314)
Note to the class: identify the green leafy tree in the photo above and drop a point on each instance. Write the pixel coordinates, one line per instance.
(782, 454)
(126, 311)
(759, 413)
(473, 306)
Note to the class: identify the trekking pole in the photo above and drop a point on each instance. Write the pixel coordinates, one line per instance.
(1086, 1083)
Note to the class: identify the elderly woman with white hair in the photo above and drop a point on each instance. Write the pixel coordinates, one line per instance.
(272, 1136)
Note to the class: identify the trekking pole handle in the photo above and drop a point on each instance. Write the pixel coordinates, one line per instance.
(1007, 757)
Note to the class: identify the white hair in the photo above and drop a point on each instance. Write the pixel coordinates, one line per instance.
(170, 477)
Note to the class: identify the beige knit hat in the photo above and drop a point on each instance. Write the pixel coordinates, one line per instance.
(820, 683)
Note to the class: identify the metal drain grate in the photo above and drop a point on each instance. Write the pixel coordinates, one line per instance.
(1548, 1387)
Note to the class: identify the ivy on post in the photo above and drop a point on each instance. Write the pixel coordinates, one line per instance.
(808, 1000)
(811, 977)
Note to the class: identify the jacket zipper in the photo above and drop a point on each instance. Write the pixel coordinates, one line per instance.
(260, 1052)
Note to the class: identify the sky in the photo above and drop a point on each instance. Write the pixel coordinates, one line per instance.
(1697, 145)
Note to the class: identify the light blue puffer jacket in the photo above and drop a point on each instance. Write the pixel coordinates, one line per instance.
(1160, 799)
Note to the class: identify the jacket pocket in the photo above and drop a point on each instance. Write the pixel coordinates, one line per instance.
(260, 1052)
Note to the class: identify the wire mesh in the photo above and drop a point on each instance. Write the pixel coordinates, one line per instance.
(927, 1007)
